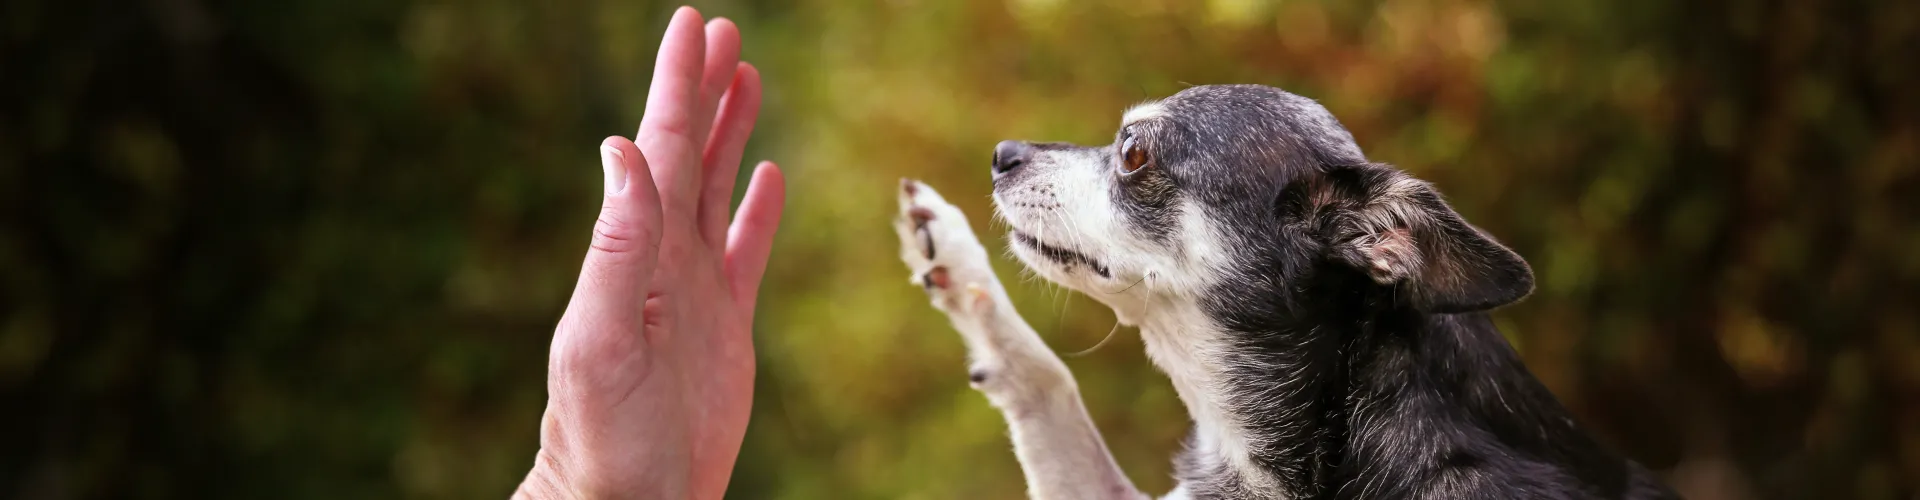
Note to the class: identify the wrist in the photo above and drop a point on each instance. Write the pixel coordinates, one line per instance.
(544, 482)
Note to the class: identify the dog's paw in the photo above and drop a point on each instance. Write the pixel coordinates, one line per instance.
(941, 251)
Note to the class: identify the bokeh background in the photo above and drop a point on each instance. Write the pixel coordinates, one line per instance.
(315, 248)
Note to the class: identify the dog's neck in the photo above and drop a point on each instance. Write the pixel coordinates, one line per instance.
(1188, 345)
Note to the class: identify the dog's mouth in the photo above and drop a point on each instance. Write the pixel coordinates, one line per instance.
(1061, 256)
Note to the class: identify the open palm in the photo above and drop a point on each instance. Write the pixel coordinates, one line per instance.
(650, 377)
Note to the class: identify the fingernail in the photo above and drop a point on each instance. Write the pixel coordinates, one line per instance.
(616, 167)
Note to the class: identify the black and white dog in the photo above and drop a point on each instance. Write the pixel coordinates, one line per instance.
(1322, 317)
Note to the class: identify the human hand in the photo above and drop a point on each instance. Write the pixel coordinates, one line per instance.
(650, 377)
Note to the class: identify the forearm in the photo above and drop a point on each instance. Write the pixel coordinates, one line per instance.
(1060, 450)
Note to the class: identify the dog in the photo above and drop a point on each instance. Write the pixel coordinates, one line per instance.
(1322, 317)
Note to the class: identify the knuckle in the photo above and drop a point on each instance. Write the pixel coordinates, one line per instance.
(585, 345)
(613, 233)
(671, 125)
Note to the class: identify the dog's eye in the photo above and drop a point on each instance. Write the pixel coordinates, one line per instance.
(1133, 155)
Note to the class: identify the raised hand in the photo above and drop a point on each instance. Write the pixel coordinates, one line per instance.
(650, 377)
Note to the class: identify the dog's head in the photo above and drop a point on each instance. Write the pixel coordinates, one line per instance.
(1244, 187)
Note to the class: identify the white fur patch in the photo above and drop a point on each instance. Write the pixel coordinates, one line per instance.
(1183, 342)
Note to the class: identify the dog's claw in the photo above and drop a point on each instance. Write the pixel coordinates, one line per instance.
(920, 216)
(926, 242)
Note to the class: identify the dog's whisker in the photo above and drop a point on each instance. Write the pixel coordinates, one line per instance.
(1102, 343)
(1143, 278)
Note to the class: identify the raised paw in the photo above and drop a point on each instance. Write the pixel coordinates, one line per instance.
(941, 251)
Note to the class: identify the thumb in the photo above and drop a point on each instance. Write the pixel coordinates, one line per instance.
(626, 242)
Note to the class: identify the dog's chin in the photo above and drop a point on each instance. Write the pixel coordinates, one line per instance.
(1051, 259)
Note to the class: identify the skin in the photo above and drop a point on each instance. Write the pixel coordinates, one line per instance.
(650, 377)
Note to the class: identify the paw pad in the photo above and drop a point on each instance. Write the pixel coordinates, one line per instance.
(935, 278)
(920, 216)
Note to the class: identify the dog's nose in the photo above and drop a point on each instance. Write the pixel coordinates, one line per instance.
(1009, 155)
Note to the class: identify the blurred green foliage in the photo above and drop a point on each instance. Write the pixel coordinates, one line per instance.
(314, 249)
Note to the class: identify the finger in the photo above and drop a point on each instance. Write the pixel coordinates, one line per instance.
(751, 237)
(672, 104)
(626, 240)
(723, 55)
(738, 111)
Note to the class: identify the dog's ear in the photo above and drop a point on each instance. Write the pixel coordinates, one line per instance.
(1400, 232)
